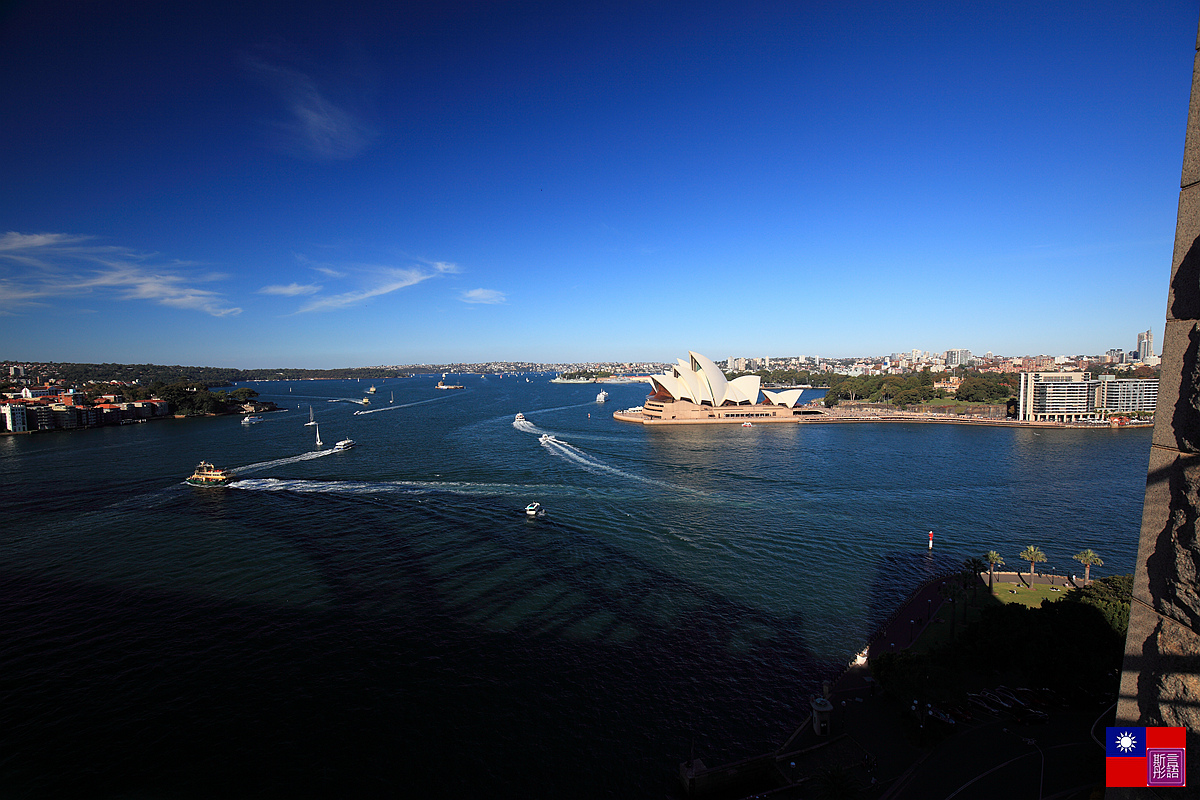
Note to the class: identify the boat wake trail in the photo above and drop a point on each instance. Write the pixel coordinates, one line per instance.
(574, 454)
(404, 405)
(525, 426)
(389, 487)
(279, 461)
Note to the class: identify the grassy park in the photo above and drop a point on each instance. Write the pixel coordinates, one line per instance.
(953, 617)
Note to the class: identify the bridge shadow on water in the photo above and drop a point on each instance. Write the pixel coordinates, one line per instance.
(460, 648)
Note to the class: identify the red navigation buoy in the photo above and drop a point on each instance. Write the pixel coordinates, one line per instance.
(931, 540)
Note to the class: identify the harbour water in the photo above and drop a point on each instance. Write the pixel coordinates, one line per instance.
(387, 620)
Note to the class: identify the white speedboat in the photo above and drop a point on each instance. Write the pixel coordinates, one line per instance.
(251, 420)
(747, 424)
(344, 444)
(519, 418)
(535, 510)
(600, 398)
(546, 438)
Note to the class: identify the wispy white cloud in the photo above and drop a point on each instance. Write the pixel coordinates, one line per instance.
(382, 280)
(490, 296)
(315, 125)
(291, 290)
(36, 268)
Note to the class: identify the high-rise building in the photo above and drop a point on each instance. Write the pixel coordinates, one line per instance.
(1127, 394)
(1145, 346)
(957, 358)
(1056, 397)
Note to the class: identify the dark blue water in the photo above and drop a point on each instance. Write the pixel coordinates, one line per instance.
(386, 620)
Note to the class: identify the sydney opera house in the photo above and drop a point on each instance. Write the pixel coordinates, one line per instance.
(698, 391)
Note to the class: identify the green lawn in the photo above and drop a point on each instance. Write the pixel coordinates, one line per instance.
(940, 632)
(1026, 595)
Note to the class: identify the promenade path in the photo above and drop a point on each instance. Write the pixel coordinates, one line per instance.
(991, 757)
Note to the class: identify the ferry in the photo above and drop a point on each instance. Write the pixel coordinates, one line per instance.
(344, 444)
(371, 390)
(208, 475)
(251, 420)
(600, 398)
(535, 510)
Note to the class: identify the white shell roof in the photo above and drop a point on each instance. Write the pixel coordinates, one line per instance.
(703, 382)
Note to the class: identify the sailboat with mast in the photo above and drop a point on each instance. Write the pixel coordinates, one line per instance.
(311, 419)
(319, 442)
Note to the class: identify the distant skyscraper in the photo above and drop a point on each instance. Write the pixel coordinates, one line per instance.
(1145, 346)
(957, 358)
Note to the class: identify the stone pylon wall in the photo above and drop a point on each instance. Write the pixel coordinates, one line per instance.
(1160, 683)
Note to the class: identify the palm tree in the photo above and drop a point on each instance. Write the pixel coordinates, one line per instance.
(993, 560)
(1088, 558)
(1033, 555)
(971, 569)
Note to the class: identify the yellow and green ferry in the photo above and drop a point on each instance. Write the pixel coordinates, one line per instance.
(208, 475)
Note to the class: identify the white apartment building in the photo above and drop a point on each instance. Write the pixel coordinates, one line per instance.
(1056, 397)
(1072, 397)
(1127, 395)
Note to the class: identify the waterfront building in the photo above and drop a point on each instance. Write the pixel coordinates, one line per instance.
(1071, 397)
(1127, 395)
(697, 391)
(14, 417)
(1056, 397)
(701, 382)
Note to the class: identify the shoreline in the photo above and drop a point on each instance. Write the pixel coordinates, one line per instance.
(829, 418)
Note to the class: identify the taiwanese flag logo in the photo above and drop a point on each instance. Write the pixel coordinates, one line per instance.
(1146, 757)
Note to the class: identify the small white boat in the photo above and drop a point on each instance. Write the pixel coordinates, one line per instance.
(546, 438)
(747, 424)
(535, 510)
(251, 420)
(600, 398)
(344, 444)
(519, 418)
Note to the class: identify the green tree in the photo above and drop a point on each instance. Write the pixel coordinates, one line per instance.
(1033, 555)
(1112, 596)
(243, 395)
(971, 569)
(993, 560)
(1088, 558)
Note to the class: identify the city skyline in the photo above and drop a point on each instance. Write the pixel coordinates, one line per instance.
(334, 187)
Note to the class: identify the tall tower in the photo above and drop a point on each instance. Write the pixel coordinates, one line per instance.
(1145, 346)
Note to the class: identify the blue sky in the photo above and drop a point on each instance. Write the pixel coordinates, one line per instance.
(304, 184)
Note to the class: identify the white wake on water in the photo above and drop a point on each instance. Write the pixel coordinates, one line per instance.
(402, 405)
(389, 487)
(278, 461)
(574, 454)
